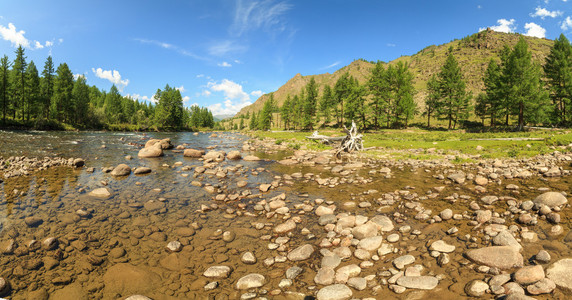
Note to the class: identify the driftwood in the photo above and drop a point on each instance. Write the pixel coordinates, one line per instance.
(349, 143)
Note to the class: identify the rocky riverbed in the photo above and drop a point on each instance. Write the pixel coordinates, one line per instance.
(257, 220)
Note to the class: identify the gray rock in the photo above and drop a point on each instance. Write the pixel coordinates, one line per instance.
(442, 247)
(489, 199)
(366, 230)
(550, 199)
(371, 243)
(543, 286)
(293, 272)
(502, 257)
(327, 219)
(505, 238)
(402, 261)
(384, 223)
(100, 193)
(529, 274)
(418, 282)
(334, 292)
(543, 257)
(285, 227)
(457, 177)
(325, 276)
(357, 283)
(560, 272)
(121, 170)
(250, 281)
(142, 170)
(218, 272)
(476, 288)
(331, 261)
(301, 253)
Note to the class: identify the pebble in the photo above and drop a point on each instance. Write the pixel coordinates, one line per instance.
(441, 246)
(248, 258)
(301, 253)
(476, 288)
(250, 281)
(418, 282)
(529, 274)
(334, 292)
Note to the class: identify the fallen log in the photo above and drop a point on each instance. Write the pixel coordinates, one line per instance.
(349, 143)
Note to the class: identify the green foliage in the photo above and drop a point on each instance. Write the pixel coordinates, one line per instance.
(558, 71)
(19, 83)
(169, 112)
(62, 104)
(452, 98)
(4, 86)
(200, 117)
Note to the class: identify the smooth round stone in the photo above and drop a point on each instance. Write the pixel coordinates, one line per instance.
(392, 238)
(505, 238)
(293, 272)
(138, 297)
(248, 258)
(560, 273)
(542, 257)
(325, 276)
(284, 283)
(357, 283)
(211, 286)
(334, 292)
(323, 210)
(285, 227)
(402, 261)
(550, 199)
(529, 274)
(476, 288)
(446, 214)
(370, 243)
(301, 253)
(228, 236)
(543, 286)
(366, 230)
(218, 272)
(121, 170)
(174, 246)
(418, 282)
(349, 271)
(441, 246)
(100, 193)
(331, 261)
(362, 254)
(250, 281)
(502, 257)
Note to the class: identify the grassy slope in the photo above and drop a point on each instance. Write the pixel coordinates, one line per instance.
(473, 54)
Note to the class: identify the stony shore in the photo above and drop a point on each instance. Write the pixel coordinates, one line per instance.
(486, 229)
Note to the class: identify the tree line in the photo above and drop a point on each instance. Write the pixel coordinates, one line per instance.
(517, 90)
(56, 97)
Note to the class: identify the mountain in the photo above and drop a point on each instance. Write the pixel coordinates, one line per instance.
(472, 52)
(222, 117)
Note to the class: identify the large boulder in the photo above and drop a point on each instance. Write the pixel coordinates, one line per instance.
(121, 170)
(234, 155)
(502, 257)
(561, 273)
(164, 143)
(550, 199)
(153, 151)
(194, 153)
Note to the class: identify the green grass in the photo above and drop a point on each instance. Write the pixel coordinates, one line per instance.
(449, 142)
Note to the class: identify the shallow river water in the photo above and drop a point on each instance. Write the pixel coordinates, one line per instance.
(115, 247)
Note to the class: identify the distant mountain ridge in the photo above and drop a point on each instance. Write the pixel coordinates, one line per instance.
(472, 52)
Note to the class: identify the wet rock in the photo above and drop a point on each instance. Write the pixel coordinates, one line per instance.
(138, 297)
(529, 274)
(543, 286)
(117, 252)
(505, 238)
(402, 261)
(418, 282)
(518, 296)
(481, 180)
(301, 253)
(142, 170)
(250, 281)
(383, 223)
(217, 272)
(357, 283)
(457, 177)
(174, 246)
(193, 153)
(164, 144)
(327, 219)
(234, 155)
(446, 214)
(150, 152)
(325, 276)
(371, 243)
(331, 261)
(228, 236)
(153, 205)
(121, 170)
(215, 155)
(285, 227)
(542, 257)
(293, 272)
(78, 162)
(264, 187)
(211, 286)
(323, 210)
(69, 292)
(489, 199)
(366, 230)
(476, 288)
(33, 221)
(248, 258)
(550, 199)
(560, 273)
(100, 193)
(441, 246)
(483, 216)
(334, 292)
(50, 243)
(251, 158)
(502, 257)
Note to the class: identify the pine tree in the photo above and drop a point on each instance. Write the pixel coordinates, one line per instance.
(169, 111)
(491, 103)
(4, 85)
(32, 89)
(432, 98)
(309, 106)
(405, 107)
(285, 112)
(63, 105)
(80, 94)
(524, 86)
(326, 104)
(253, 122)
(342, 90)
(47, 83)
(19, 82)
(378, 88)
(265, 116)
(454, 100)
(558, 71)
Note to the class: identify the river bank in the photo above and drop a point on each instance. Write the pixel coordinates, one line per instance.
(257, 218)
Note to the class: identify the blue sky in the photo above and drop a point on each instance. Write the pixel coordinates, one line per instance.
(224, 54)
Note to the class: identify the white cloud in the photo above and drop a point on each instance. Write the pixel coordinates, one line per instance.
(200, 75)
(38, 45)
(186, 99)
(330, 66)
(76, 76)
(479, 7)
(231, 90)
(49, 44)
(228, 108)
(543, 13)
(171, 47)
(566, 24)
(181, 89)
(252, 15)
(390, 45)
(236, 61)
(222, 48)
(60, 40)
(257, 94)
(504, 25)
(534, 30)
(15, 37)
(224, 64)
(206, 93)
(113, 76)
